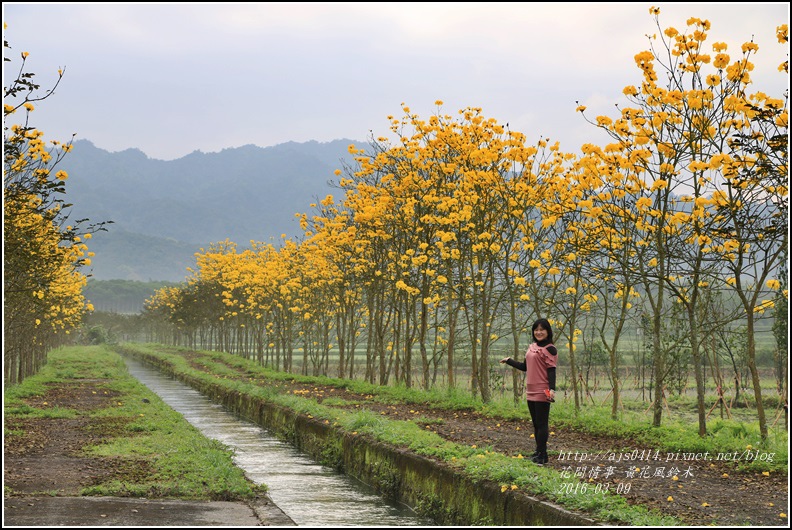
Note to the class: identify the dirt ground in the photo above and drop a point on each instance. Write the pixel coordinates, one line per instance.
(47, 459)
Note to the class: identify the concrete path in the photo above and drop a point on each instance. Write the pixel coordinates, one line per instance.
(119, 511)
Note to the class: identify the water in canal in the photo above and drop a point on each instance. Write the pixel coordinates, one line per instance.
(309, 493)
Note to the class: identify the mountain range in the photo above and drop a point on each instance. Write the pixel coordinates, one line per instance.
(163, 212)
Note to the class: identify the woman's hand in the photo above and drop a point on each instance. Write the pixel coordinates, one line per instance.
(503, 361)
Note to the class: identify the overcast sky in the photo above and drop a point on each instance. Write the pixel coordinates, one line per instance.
(170, 79)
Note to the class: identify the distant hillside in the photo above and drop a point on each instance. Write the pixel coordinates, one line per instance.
(164, 211)
(121, 296)
(123, 255)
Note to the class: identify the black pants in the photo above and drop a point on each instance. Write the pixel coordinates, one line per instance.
(540, 416)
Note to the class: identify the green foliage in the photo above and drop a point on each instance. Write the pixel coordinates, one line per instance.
(365, 421)
(94, 335)
(32, 412)
(14, 394)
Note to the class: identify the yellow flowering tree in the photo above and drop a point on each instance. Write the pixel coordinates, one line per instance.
(42, 253)
(752, 234)
(332, 251)
(675, 146)
(371, 210)
(607, 240)
(529, 228)
(446, 206)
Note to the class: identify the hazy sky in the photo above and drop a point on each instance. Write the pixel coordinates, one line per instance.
(170, 79)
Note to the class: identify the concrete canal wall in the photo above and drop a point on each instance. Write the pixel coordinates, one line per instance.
(433, 490)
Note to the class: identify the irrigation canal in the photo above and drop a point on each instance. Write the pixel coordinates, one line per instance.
(310, 493)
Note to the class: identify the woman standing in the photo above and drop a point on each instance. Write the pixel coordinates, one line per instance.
(540, 380)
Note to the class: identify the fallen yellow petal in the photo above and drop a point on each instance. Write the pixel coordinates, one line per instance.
(766, 473)
(670, 499)
(725, 475)
(705, 504)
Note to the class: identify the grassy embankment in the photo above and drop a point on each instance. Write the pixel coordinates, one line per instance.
(679, 430)
(183, 462)
(481, 463)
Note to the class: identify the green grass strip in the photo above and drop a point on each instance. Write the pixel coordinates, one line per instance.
(180, 461)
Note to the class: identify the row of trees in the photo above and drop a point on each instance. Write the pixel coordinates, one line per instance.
(459, 234)
(42, 252)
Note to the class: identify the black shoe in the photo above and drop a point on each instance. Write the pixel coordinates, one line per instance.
(540, 458)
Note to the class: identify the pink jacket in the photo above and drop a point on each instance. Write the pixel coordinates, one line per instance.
(537, 361)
